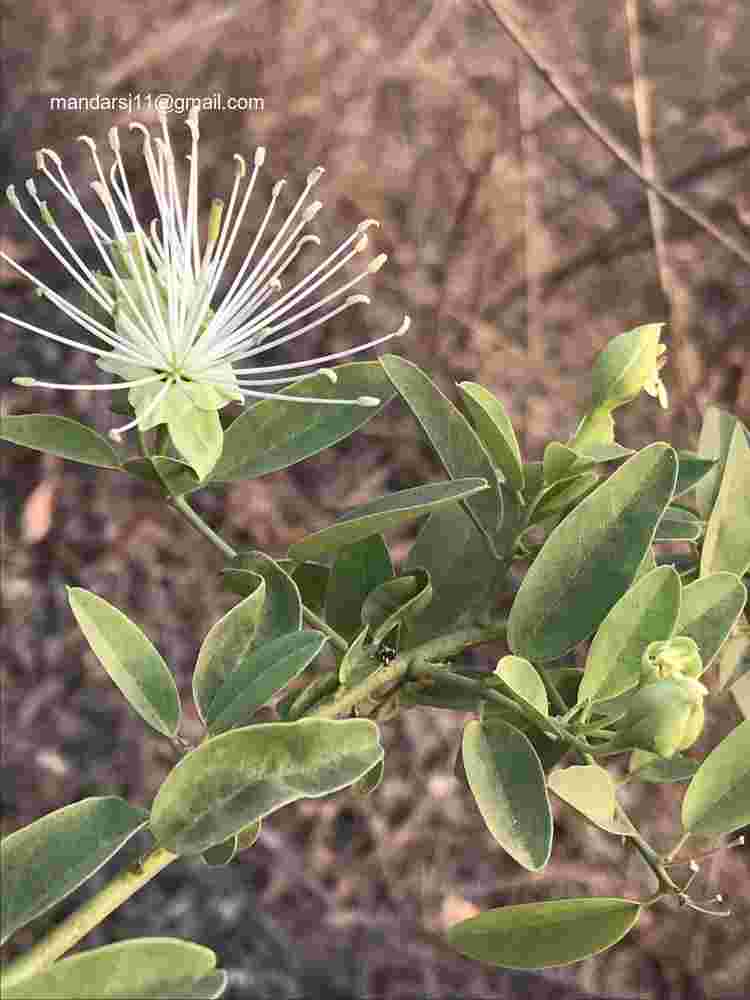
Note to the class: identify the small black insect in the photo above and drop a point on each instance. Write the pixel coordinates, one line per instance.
(385, 653)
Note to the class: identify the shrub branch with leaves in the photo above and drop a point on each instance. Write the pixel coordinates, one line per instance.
(586, 526)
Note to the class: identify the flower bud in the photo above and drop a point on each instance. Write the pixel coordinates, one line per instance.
(677, 657)
(664, 716)
(628, 365)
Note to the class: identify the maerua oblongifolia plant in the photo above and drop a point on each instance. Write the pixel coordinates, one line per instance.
(610, 638)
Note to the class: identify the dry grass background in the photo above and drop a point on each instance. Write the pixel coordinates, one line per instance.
(519, 246)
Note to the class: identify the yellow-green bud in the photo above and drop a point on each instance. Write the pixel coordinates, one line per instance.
(664, 716)
(629, 365)
(677, 657)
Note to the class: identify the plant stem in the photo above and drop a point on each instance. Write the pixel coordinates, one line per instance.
(199, 524)
(489, 694)
(312, 619)
(79, 924)
(646, 851)
(412, 662)
(553, 691)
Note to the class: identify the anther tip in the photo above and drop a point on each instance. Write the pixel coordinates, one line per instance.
(277, 188)
(377, 263)
(260, 156)
(24, 380)
(354, 300)
(368, 401)
(312, 210)
(314, 176)
(367, 224)
(115, 436)
(329, 374)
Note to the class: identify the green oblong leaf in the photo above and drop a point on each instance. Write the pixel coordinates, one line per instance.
(357, 570)
(59, 436)
(275, 434)
(462, 571)
(495, 430)
(711, 606)
(396, 601)
(715, 439)
(384, 514)
(589, 789)
(140, 969)
(130, 659)
(44, 862)
(561, 495)
(231, 780)
(259, 676)
(524, 681)
(727, 542)
(457, 445)
(312, 580)
(693, 469)
(679, 525)
(228, 642)
(174, 476)
(718, 798)
(507, 782)
(646, 613)
(543, 935)
(590, 559)
(282, 610)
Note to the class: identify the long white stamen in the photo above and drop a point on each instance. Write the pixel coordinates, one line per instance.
(96, 387)
(80, 317)
(214, 328)
(162, 279)
(248, 334)
(406, 323)
(302, 290)
(265, 345)
(95, 231)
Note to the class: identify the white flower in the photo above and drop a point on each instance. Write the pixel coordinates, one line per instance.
(154, 306)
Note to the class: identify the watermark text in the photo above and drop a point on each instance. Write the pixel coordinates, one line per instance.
(133, 103)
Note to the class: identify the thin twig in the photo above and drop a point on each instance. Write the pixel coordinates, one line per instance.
(552, 75)
(529, 155)
(675, 293)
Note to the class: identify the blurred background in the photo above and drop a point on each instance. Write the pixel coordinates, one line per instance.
(519, 244)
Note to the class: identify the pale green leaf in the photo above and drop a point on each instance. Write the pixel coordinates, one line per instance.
(543, 935)
(507, 782)
(591, 558)
(234, 779)
(384, 514)
(718, 798)
(44, 862)
(59, 436)
(130, 659)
